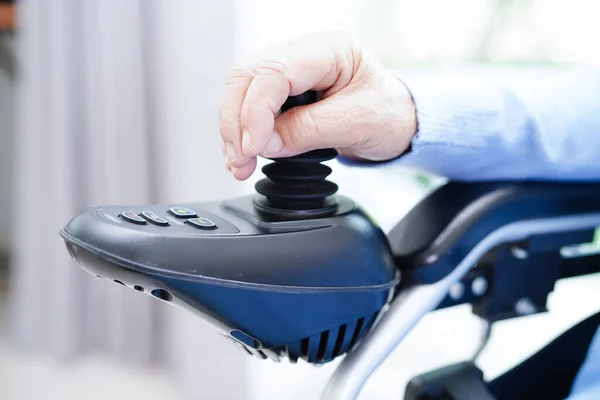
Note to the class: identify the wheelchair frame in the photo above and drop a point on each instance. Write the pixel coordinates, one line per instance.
(497, 250)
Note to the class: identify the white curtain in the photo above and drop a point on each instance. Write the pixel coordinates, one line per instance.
(7, 110)
(117, 106)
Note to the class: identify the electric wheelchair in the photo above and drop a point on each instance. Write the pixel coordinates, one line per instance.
(299, 272)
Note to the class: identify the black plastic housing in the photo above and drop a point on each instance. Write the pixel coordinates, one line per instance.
(302, 288)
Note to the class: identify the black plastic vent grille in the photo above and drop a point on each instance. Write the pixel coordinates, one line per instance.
(320, 348)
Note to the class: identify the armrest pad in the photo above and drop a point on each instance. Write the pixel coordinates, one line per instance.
(457, 216)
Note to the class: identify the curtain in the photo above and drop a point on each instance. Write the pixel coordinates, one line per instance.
(116, 106)
(7, 110)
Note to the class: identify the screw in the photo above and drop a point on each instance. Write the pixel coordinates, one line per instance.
(479, 286)
(519, 253)
(456, 291)
(525, 307)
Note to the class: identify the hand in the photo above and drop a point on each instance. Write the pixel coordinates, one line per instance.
(366, 112)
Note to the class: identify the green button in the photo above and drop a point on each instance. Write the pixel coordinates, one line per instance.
(201, 223)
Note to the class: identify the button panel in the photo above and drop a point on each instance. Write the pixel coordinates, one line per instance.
(201, 223)
(182, 212)
(132, 217)
(157, 219)
(154, 218)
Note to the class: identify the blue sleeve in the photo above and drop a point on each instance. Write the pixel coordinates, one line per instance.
(543, 126)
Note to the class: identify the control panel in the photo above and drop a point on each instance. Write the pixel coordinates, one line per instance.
(176, 219)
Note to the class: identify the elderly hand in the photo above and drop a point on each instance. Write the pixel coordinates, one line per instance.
(366, 112)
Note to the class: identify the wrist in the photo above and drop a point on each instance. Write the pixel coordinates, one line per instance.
(413, 121)
(406, 125)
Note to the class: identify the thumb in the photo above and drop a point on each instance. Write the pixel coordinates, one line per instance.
(330, 122)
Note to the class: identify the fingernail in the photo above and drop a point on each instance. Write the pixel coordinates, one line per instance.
(230, 152)
(227, 164)
(246, 141)
(275, 144)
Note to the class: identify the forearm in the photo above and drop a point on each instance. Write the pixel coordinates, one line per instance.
(540, 127)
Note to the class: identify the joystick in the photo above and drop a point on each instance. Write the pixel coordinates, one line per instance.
(293, 272)
(296, 187)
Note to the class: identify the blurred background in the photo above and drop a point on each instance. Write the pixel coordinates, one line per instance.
(115, 102)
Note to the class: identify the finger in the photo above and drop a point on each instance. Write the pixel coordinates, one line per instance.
(289, 70)
(338, 121)
(244, 172)
(236, 85)
(319, 61)
(259, 110)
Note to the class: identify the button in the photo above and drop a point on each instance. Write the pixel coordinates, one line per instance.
(181, 212)
(133, 218)
(201, 223)
(155, 219)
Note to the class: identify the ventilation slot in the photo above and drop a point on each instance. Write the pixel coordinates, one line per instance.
(322, 351)
(356, 334)
(261, 354)
(339, 341)
(304, 348)
(291, 355)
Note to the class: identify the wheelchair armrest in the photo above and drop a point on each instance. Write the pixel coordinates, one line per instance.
(438, 233)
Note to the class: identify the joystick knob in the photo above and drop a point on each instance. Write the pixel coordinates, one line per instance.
(297, 186)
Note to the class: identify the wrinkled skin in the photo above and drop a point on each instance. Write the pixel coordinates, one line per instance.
(366, 112)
